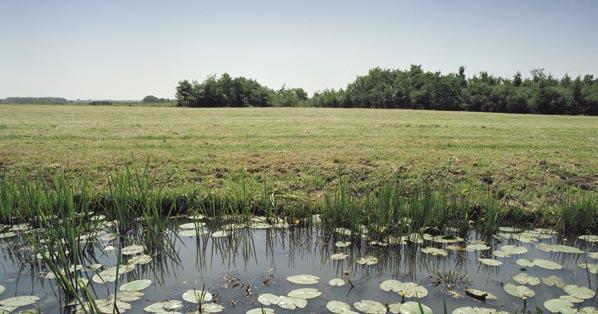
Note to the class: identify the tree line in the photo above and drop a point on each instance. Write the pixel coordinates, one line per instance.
(411, 88)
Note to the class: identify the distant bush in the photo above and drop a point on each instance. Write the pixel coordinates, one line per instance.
(100, 103)
(150, 99)
(34, 100)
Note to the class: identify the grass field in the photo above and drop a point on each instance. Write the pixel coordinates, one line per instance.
(530, 161)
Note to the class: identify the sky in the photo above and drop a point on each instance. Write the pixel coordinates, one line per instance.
(120, 49)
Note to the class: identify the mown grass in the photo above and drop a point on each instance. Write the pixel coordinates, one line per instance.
(530, 163)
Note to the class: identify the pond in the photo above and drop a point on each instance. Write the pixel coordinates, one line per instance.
(308, 269)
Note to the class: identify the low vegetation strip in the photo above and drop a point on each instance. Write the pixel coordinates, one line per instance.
(525, 161)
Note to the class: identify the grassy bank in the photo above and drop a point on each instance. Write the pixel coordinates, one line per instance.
(524, 162)
(131, 196)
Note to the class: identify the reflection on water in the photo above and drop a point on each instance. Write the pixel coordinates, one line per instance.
(237, 268)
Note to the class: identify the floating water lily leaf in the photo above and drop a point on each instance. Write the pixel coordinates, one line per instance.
(366, 260)
(7, 309)
(579, 292)
(513, 250)
(304, 279)
(338, 256)
(479, 294)
(260, 225)
(220, 234)
(434, 251)
(525, 279)
(211, 308)
(342, 243)
(509, 229)
(107, 306)
(336, 282)
(305, 293)
(592, 268)
(477, 247)
(339, 307)
(559, 306)
(406, 289)
(519, 291)
(477, 310)
(19, 301)
(593, 255)
(343, 231)
(589, 237)
(291, 303)
(129, 296)
(192, 232)
(109, 274)
(136, 285)
(553, 280)
(489, 262)
(409, 308)
(192, 225)
(546, 264)
(260, 311)
(570, 298)
(558, 248)
(589, 309)
(499, 253)
(524, 262)
(197, 296)
(267, 299)
(140, 259)
(370, 307)
(132, 249)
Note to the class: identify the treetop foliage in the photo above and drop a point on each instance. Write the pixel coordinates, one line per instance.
(411, 88)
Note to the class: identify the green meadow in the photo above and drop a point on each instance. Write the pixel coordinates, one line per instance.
(532, 163)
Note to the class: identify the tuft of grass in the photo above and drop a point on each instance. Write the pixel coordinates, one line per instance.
(579, 214)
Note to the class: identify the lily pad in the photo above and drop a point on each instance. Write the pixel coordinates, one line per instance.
(406, 289)
(162, 307)
(513, 250)
(304, 279)
(525, 279)
(305, 293)
(260, 311)
(559, 306)
(140, 259)
(260, 225)
(579, 292)
(291, 303)
(366, 260)
(267, 299)
(409, 308)
(546, 264)
(220, 234)
(342, 244)
(211, 308)
(338, 256)
(370, 307)
(477, 310)
(522, 292)
(192, 225)
(592, 268)
(136, 285)
(339, 307)
(191, 233)
(434, 251)
(19, 301)
(524, 262)
(197, 296)
(132, 249)
(489, 262)
(589, 237)
(336, 282)
(477, 247)
(553, 281)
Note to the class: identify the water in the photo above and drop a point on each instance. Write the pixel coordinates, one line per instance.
(238, 268)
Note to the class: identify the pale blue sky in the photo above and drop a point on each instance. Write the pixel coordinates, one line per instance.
(128, 49)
